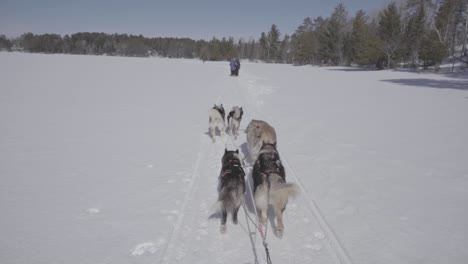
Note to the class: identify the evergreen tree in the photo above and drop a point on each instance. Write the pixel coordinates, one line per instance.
(253, 50)
(416, 28)
(204, 51)
(390, 32)
(271, 43)
(332, 40)
(363, 43)
(304, 43)
(5, 44)
(432, 52)
(265, 46)
(285, 56)
(274, 43)
(215, 53)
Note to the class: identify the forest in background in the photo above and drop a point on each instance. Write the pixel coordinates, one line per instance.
(413, 34)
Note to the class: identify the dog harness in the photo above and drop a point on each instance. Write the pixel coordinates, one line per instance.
(227, 169)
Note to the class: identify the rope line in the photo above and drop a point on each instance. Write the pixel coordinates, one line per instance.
(257, 225)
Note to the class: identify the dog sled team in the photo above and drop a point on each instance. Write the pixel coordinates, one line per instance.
(269, 179)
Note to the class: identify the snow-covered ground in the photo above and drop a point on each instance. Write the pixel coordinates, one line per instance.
(108, 160)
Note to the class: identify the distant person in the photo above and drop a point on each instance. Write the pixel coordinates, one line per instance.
(232, 64)
(237, 63)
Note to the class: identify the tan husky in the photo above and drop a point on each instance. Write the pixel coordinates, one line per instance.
(258, 133)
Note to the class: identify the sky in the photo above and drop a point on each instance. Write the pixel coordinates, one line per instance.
(196, 19)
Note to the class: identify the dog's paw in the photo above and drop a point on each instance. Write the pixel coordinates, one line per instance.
(222, 229)
(279, 233)
(279, 230)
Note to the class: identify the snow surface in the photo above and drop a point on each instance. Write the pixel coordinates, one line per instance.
(108, 160)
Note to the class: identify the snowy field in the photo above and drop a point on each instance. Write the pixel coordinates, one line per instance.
(108, 160)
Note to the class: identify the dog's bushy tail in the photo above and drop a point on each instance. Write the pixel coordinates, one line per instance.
(229, 200)
(287, 189)
(280, 192)
(292, 189)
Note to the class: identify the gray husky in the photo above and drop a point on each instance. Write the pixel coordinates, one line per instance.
(234, 118)
(259, 132)
(232, 187)
(216, 121)
(270, 187)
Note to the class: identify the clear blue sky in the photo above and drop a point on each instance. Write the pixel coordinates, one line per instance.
(167, 18)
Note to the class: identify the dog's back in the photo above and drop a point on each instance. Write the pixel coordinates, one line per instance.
(270, 186)
(214, 116)
(232, 187)
(259, 132)
(216, 121)
(234, 118)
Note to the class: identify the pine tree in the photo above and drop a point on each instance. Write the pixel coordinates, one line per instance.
(4, 43)
(285, 55)
(416, 28)
(332, 40)
(432, 52)
(390, 32)
(273, 40)
(265, 46)
(305, 45)
(214, 46)
(363, 42)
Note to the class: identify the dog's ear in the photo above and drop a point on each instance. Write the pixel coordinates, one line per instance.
(274, 144)
(225, 150)
(237, 151)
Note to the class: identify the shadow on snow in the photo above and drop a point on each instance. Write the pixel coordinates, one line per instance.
(430, 83)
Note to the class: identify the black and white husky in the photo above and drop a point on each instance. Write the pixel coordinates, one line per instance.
(270, 187)
(232, 187)
(234, 119)
(217, 121)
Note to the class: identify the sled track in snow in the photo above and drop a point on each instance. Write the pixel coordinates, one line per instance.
(334, 245)
(202, 154)
(167, 257)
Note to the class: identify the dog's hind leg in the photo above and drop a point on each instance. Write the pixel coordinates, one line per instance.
(234, 132)
(263, 216)
(234, 215)
(222, 130)
(222, 228)
(261, 201)
(212, 133)
(279, 222)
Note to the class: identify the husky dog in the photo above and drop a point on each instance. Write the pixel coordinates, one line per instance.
(232, 187)
(270, 187)
(216, 120)
(234, 118)
(259, 132)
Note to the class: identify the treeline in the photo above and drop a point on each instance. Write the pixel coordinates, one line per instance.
(418, 33)
(106, 44)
